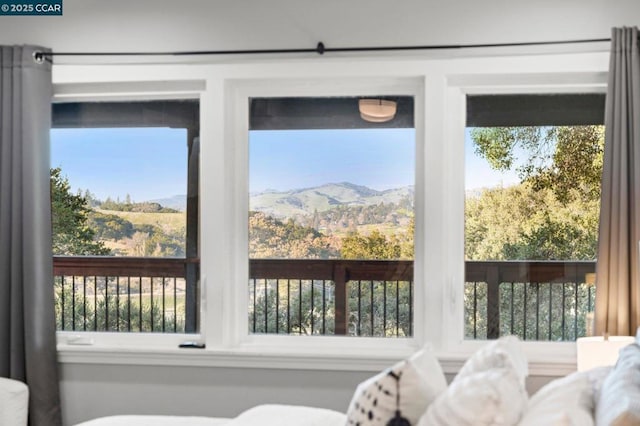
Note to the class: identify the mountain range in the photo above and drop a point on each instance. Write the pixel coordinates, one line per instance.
(306, 201)
(178, 202)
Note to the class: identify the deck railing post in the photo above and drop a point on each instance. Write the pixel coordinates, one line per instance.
(341, 302)
(493, 302)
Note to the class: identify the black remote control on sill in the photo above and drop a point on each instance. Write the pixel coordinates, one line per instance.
(196, 345)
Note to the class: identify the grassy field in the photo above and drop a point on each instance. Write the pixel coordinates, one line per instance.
(166, 221)
(176, 221)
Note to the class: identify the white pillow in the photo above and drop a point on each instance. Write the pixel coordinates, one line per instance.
(562, 402)
(504, 352)
(486, 398)
(409, 386)
(597, 376)
(619, 401)
(488, 390)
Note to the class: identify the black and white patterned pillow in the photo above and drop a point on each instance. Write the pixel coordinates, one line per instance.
(399, 395)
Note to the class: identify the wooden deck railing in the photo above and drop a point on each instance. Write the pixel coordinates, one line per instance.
(103, 293)
(367, 297)
(536, 300)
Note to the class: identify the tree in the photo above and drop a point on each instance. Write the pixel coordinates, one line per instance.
(109, 226)
(565, 159)
(372, 246)
(271, 238)
(519, 222)
(69, 215)
(553, 213)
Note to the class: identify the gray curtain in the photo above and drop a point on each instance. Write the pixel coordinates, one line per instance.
(618, 285)
(27, 322)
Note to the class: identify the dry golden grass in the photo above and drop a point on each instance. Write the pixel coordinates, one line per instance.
(165, 221)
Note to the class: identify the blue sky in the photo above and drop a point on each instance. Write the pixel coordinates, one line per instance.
(478, 173)
(377, 158)
(146, 163)
(291, 159)
(150, 163)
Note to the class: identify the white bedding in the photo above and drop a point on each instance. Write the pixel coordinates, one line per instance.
(263, 415)
(156, 421)
(288, 415)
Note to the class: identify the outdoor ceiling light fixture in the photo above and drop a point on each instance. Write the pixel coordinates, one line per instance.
(377, 110)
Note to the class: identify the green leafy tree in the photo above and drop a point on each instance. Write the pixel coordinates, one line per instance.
(69, 217)
(372, 246)
(406, 239)
(551, 215)
(272, 238)
(297, 306)
(565, 159)
(129, 206)
(554, 239)
(109, 226)
(520, 223)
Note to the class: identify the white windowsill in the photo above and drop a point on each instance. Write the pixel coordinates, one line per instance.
(275, 358)
(234, 358)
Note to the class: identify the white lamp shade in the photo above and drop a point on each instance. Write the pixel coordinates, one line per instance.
(598, 352)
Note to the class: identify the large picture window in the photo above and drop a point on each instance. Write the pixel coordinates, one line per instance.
(532, 189)
(331, 217)
(319, 237)
(124, 209)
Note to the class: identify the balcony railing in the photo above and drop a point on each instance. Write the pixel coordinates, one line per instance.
(342, 297)
(124, 294)
(535, 300)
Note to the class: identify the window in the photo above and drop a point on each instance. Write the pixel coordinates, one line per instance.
(532, 186)
(124, 183)
(241, 105)
(331, 217)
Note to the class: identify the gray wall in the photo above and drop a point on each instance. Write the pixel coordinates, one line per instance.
(161, 25)
(91, 391)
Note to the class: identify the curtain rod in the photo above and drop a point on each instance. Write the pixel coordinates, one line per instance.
(319, 49)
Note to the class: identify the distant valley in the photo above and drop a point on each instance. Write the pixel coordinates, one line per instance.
(312, 221)
(297, 203)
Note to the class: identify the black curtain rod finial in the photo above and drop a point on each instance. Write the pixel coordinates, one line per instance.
(38, 57)
(320, 48)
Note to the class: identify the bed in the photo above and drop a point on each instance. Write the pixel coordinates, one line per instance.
(266, 415)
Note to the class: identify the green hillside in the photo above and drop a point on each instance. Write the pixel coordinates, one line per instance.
(305, 223)
(166, 221)
(305, 202)
(128, 233)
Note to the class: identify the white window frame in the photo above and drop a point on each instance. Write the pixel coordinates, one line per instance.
(544, 357)
(439, 86)
(70, 88)
(240, 92)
